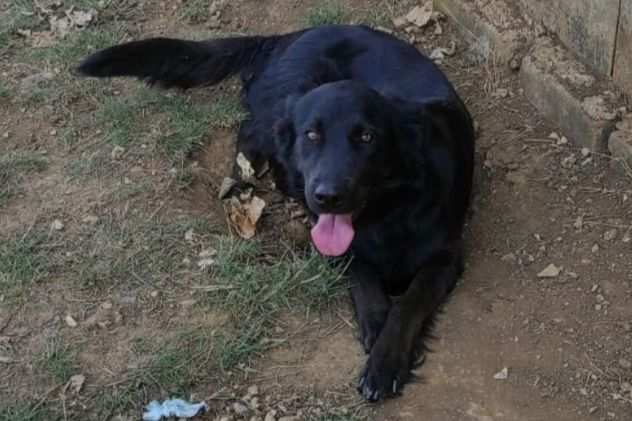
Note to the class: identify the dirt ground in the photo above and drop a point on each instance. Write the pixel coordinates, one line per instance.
(519, 340)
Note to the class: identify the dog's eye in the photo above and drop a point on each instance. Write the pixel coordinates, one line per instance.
(366, 137)
(312, 135)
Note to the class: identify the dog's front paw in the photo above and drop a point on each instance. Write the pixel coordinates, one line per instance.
(370, 328)
(384, 375)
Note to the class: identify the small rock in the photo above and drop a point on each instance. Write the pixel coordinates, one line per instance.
(610, 235)
(563, 141)
(187, 303)
(106, 305)
(91, 219)
(188, 236)
(209, 252)
(569, 161)
(253, 390)
(240, 408)
(502, 374)
(206, 263)
(76, 383)
(551, 271)
(271, 416)
(595, 248)
(57, 225)
(53, 132)
(514, 64)
(509, 257)
(117, 152)
(585, 152)
(625, 363)
(500, 93)
(153, 294)
(592, 410)
(70, 321)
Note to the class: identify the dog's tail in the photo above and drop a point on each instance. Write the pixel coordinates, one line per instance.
(179, 63)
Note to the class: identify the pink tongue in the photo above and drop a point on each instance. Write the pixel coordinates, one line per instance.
(332, 234)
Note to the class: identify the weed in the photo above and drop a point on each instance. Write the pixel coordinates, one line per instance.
(254, 293)
(25, 411)
(78, 44)
(327, 13)
(58, 361)
(183, 124)
(13, 167)
(195, 11)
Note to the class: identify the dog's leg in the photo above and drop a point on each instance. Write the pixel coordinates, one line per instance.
(371, 302)
(390, 361)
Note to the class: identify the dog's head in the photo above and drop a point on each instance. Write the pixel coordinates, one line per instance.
(338, 136)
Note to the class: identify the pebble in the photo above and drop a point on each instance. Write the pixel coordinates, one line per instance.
(501, 375)
(551, 271)
(57, 225)
(117, 152)
(270, 416)
(610, 235)
(625, 363)
(240, 408)
(70, 321)
(595, 248)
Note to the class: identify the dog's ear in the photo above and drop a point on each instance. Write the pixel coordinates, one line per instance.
(283, 129)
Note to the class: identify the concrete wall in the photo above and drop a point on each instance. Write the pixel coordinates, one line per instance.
(623, 59)
(586, 27)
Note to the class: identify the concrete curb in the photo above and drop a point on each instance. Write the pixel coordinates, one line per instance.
(568, 95)
(620, 143)
(492, 26)
(563, 90)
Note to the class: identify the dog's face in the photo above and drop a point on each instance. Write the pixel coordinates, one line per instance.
(339, 135)
(336, 137)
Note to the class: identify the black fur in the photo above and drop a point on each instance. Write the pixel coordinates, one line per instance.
(352, 121)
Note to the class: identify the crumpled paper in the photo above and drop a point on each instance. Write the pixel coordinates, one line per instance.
(156, 411)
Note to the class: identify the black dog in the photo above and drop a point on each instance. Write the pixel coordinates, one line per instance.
(371, 136)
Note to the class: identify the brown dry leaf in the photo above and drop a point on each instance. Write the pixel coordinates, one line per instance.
(247, 171)
(244, 216)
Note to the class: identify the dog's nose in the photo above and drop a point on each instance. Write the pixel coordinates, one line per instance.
(327, 197)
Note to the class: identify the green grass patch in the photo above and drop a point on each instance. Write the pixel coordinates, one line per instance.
(58, 361)
(327, 13)
(194, 11)
(135, 251)
(183, 124)
(13, 167)
(25, 411)
(5, 91)
(78, 44)
(255, 293)
(22, 260)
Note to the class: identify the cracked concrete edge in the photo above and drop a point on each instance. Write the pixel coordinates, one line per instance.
(585, 108)
(620, 142)
(563, 90)
(495, 29)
